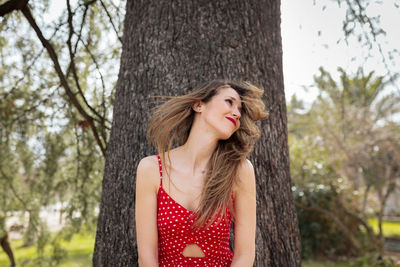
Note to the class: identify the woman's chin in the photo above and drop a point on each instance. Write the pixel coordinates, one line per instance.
(226, 136)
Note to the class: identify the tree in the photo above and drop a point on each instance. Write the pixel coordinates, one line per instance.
(168, 48)
(53, 73)
(362, 26)
(360, 123)
(350, 132)
(77, 39)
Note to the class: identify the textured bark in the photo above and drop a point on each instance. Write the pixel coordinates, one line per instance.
(168, 48)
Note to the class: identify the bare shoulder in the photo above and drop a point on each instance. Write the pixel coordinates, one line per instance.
(245, 177)
(148, 174)
(148, 163)
(245, 171)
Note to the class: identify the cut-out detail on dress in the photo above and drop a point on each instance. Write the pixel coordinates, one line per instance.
(193, 250)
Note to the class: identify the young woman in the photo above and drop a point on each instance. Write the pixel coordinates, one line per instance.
(187, 196)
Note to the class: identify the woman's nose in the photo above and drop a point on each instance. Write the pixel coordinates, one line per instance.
(236, 113)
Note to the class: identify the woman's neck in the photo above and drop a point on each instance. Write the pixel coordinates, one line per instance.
(198, 149)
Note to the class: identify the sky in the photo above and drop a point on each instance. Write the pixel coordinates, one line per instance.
(310, 34)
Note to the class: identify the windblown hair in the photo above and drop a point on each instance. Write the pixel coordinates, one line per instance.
(170, 125)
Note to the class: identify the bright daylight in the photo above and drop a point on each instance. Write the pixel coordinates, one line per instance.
(199, 133)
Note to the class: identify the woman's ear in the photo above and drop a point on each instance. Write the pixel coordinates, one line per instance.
(198, 106)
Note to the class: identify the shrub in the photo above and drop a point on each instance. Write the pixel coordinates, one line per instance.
(327, 222)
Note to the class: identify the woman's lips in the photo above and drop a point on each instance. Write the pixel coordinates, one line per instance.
(232, 120)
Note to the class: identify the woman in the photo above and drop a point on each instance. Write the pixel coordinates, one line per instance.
(187, 197)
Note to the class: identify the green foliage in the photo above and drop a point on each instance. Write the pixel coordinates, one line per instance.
(317, 207)
(324, 263)
(76, 250)
(346, 142)
(49, 155)
(373, 260)
(370, 260)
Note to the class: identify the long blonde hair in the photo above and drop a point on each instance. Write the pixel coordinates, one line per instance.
(170, 125)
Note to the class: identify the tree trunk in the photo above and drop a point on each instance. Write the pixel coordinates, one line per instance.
(365, 200)
(169, 47)
(30, 235)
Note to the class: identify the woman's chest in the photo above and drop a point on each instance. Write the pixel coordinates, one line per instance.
(184, 190)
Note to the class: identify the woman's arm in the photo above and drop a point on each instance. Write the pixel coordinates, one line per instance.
(146, 212)
(245, 216)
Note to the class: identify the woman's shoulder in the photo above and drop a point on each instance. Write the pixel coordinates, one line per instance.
(245, 175)
(148, 171)
(245, 167)
(148, 162)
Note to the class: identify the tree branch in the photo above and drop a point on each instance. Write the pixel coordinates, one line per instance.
(101, 118)
(111, 21)
(72, 63)
(63, 80)
(12, 5)
(19, 198)
(32, 63)
(363, 19)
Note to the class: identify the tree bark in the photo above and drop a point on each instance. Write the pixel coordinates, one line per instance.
(169, 47)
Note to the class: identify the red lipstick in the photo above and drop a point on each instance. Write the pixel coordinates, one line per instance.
(232, 120)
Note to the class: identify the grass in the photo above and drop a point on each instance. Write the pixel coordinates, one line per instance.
(389, 228)
(321, 263)
(79, 251)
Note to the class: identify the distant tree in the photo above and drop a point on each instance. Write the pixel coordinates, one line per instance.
(349, 132)
(56, 94)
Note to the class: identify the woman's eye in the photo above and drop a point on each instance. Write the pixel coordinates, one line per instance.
(229, 101)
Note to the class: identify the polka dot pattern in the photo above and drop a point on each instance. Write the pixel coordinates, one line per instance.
(175, 232)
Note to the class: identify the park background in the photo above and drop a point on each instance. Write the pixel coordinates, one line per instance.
(340, 67)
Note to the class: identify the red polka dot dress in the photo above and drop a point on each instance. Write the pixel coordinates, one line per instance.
(175, 232)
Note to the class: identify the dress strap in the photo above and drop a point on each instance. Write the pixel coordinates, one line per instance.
(160, 168)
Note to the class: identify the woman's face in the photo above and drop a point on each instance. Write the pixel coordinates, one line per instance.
(223, 112)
